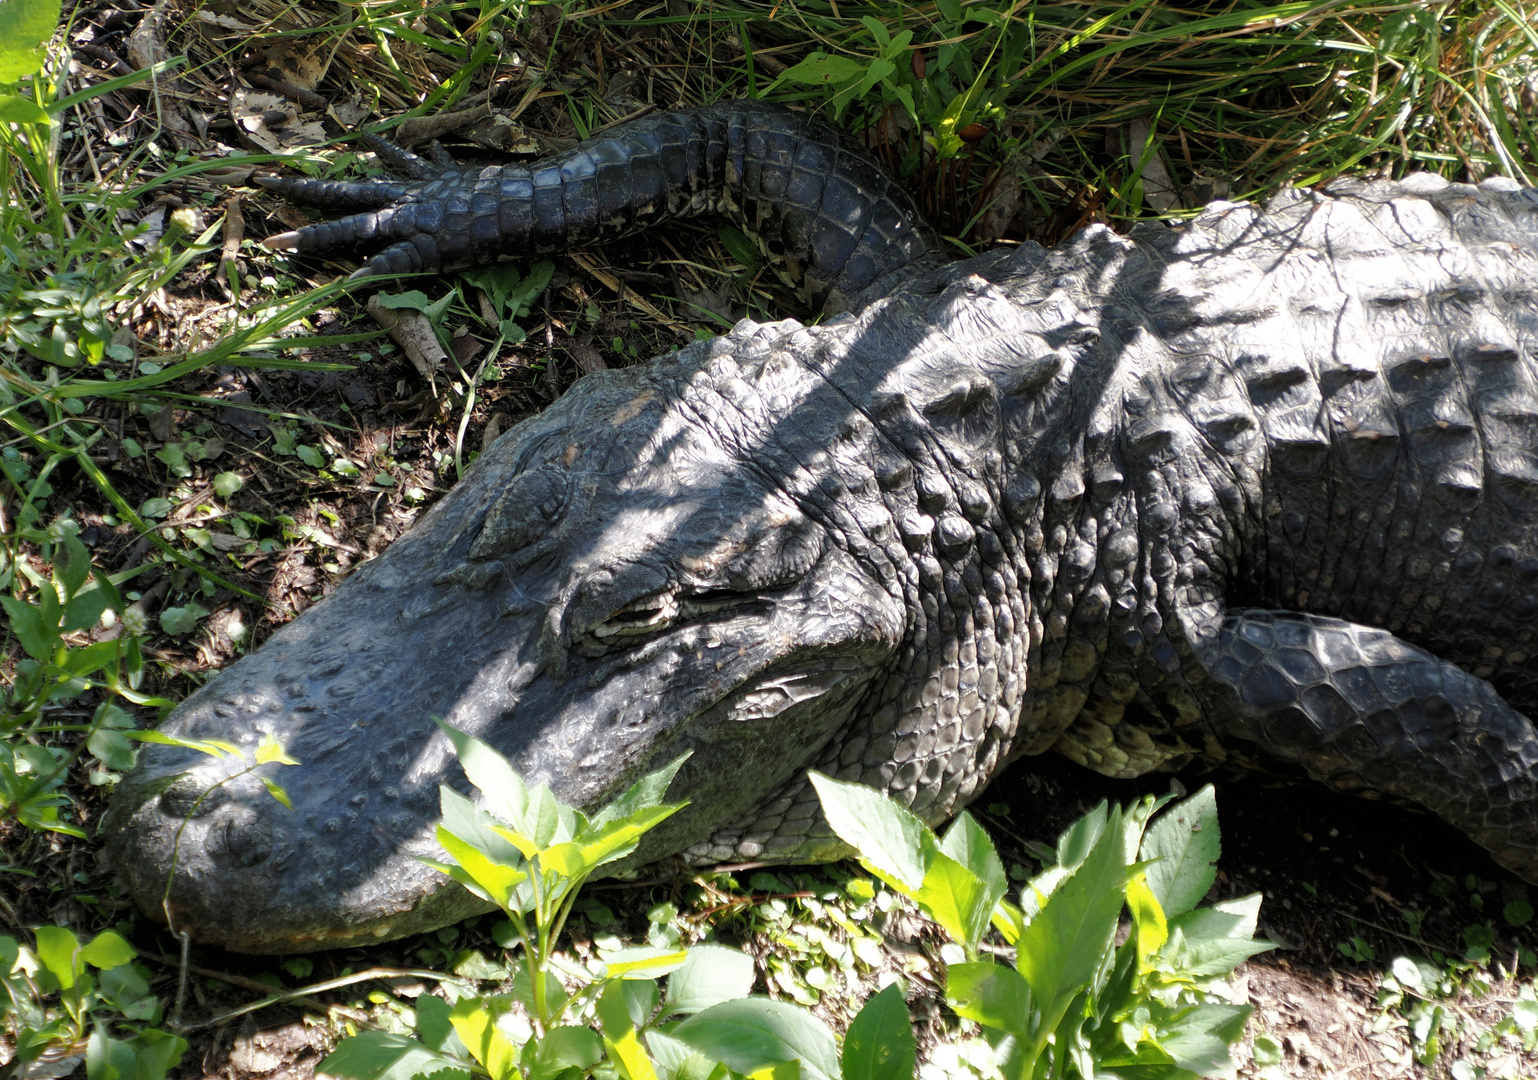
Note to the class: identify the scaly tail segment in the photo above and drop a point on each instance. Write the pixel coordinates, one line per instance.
(808, 193)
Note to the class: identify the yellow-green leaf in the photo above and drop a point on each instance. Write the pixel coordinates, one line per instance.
(1147, 919)
(643, 961)
(271, 749)
(956, 898)
(498, 879)
(523, 843)
(275, 789)
(565, 859)
(620, 1038)
(1009, 921)
(478, 1030)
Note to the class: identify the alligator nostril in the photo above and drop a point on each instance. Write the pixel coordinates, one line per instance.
(242, 839)
(189, 799)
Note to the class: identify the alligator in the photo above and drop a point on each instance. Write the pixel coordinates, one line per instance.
(1261, 485)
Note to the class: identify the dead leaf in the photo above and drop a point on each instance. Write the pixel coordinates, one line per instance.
(413, 333)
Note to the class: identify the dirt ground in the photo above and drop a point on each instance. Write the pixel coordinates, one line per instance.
(1335, 872)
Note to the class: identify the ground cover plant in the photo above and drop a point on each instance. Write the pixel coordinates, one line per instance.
(199, 438)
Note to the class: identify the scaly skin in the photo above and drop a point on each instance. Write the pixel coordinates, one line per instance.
(1264, 483)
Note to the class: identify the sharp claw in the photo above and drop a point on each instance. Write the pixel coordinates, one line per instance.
(288, 241)
(361, 273)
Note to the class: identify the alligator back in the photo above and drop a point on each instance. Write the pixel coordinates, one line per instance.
(1132, 498)
(1365, 355)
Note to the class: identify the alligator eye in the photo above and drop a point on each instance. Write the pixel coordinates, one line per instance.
(644, 616)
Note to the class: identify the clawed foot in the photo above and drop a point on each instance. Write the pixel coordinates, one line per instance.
(412, 222)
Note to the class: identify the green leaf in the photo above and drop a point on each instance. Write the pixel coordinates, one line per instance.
(180, 621)
(1067, 940)
(1236, 918)
(890, 840)
(433, 1024)
(26, 27)
(711, 974)
(113, 748)
(565, 1047)
(310, 456)
(1198, 1038)
(216, 748)
(19, 110)
(72, 565)
(487, 1044)
(968, 843)
(414, 299)
(751, 1033)
(506, 795)
(565, 859)
(56, 949)
(1076, 842)
(1148, 921)
(618, 839)
(85, 608)
(739, 247)
(1267, 1051)
(880, 1044)
(956, 899)
(497, 880)
(621, 1014)
(475, 827)
(677, 1060)
(521, 298)
(156, 1053)
(643, 962)
(380, 1055)
(107, 1058)
(277, 791)
(1214, 940)
(644, 794)
(1009, 921)
(227, 484)
(991, 994)
(821, 69)
(1184, 839)
(107, 950)
(38, 639)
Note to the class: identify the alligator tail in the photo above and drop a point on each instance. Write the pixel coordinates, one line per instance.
(807, 193)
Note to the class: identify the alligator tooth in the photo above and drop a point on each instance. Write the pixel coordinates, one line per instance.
(655, 610)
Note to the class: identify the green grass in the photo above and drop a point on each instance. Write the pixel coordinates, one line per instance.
(1051, 115)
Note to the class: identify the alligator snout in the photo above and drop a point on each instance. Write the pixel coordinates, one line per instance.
(235, 834)
(240, 838)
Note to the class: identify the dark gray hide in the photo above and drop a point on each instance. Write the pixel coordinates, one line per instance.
(1267, 481)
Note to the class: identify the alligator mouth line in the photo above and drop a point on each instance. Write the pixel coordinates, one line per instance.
(668, 619)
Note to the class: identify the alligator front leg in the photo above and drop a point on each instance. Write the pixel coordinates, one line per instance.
(807, 192)
(1359, 708)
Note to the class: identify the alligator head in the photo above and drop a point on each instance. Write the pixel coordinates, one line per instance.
(619, 580)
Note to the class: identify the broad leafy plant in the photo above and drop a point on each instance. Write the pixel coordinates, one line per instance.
(1075, 1003)
(67, 999)
(60, 665)
(525, 851)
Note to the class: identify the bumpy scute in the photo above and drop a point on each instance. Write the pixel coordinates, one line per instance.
(1262, 483)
